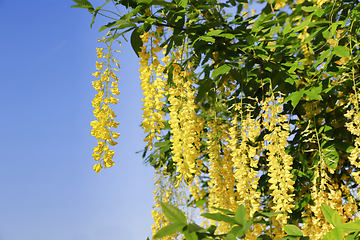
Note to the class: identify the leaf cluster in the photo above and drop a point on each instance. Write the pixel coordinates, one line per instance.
(240, 224)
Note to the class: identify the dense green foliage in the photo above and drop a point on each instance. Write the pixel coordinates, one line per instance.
(240, 225)
(305, 51)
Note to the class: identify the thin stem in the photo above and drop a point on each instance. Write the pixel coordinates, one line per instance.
(116, 7)
(107, 16)
(111, 12)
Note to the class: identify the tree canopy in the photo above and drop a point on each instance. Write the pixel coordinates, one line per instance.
(258, 109)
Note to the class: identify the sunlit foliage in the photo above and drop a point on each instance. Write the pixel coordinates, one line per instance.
(259, 108)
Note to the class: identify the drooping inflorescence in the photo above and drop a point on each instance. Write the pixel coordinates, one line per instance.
(107, 90)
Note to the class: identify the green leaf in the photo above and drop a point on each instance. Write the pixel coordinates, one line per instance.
(184, 3)
(302, 25)
(312, 95)
(336, 234)
(351, 226)
(178, 21)
(328, 236)
(211, 229)
(352, 236)
(237, 231)
(145, 2)
(173, 214)
(326, 129)
(326, 34)
(83, 4)
(322, 57)
(293, 230)
(190, 236)
(115, 23)
(343, 146)
(328, 213)
(192, 227)
(110, 24)
(230, 236)
(331, 156)
(294, 97)
(221, 70)
(314, 34)
(219, 217)
(200, 202)
(319, 12)
(287, 29)
(334, 26)
(227, 35)
(163, 3)
(341, 51)
(247, 226)
(214, 32)
(225, 211)
(169, 46)
(265, 214)
(240, 215)
(309, 9)
(95, 12)
(136, 42)
(169, 230)
(207, 39)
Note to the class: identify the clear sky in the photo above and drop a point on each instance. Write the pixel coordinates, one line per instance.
(48, 188)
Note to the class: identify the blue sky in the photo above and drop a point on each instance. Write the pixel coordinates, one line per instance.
(48, 188)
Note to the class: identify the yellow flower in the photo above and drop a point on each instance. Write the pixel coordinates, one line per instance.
(97, 85)
(102, 112)
(96, 74)
(97, 167)
(99, 52)
(99, 66)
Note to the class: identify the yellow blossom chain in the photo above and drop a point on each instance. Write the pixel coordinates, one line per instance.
(153, 83)
(280, 163)
(107, 88)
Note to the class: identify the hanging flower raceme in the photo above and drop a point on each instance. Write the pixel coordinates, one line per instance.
(353, 126)
(280, 163)
(186, 126)
(153, 83)
(221, 177)
(245, 158)
(107, 88)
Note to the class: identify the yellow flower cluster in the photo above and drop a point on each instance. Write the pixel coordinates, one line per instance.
(154, 89)
(280, 163)
(279, 4)
(186, 126)
(305, 47)
(325, 190)
(354, 128)
(107, 88)
(319, 3)
(316, 226)
(244, 159)
(222, 181)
